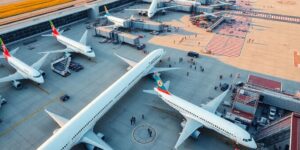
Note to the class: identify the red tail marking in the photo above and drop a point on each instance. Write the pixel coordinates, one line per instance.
(5, 51)
(164, 91)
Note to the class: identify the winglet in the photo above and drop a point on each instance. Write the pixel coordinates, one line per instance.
(106, 11)
(6, 53)
(54, 30)
(160, 84)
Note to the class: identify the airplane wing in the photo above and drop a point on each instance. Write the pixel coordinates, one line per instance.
(158, 69)
(66, 50)
(163, 8)
(128, 61)
(37, 65)
(214, 104)
(190, 126)
(83, 39)
(94, 141)
(61, 121)
(12, 77)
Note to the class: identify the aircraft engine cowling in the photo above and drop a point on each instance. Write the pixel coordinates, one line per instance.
(195, 134)
(42, 72)
(17, 84)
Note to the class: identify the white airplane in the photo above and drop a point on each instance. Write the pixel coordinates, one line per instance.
(118, 22)
(152, 10)
(24, 71)
(72, 46)
(198, 117)
(80, 128)
(179, 2)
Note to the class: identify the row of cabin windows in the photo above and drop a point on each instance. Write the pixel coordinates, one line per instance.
(203, 119)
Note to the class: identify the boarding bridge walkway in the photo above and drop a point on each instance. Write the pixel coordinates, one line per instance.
(274, 128)
(278, 99)
(213, 26)
(264, 15)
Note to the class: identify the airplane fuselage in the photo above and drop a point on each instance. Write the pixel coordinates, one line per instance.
(209, 120)
(117, 21)
(75, 46)
(71, 133)
(26, 71)
(152, 9)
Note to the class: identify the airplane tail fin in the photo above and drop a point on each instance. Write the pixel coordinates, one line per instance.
(6, 53)
(106, 11)
(54, 30)
(161, 86)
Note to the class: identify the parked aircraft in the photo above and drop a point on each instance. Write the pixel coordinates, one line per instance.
(79, 129)
(72, 46)
(118, 22)
(152, 10)
(24, 71)
(198, 117)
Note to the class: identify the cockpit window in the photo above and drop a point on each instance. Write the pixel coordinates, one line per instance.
(247, 140)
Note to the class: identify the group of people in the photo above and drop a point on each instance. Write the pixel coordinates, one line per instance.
(133, 122)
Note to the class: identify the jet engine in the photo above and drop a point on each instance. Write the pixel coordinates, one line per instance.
(17, 84)
(195, 134)
(42, 72)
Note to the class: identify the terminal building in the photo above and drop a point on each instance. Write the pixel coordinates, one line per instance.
(22, 26)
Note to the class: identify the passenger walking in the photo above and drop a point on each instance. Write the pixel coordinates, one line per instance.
(143, 117)
(221, 77)
(133, 120)
(187, 73)
(149, 132)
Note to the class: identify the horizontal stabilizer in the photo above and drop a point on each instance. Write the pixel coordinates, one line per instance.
(158, 69)
(47, 35)
(167, 85)
(11, 52)
(150, 92)
(92, 139)
(128, 61)
(58, 119)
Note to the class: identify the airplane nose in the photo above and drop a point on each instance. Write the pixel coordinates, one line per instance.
(252, 144)
(92, 55)
(40, 80)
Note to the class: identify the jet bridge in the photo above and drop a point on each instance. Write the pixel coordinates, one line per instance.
(119, 37)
